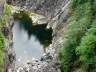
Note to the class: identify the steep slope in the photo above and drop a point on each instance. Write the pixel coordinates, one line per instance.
(73, 24)
(6, 50)
(57, 13)
(78, 51)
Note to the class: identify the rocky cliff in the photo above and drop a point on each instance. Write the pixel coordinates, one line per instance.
(9, 50)
(5, 28)
(56, 12)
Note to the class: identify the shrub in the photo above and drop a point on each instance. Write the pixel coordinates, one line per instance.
(82, 14)
(75, 3)
(67, 55)
(83, 10)
(3, 21)
(87, 48)
(6, 13)
(1, 41)
(7, 10)
(72, 37)
(1, 51)
(1, 61)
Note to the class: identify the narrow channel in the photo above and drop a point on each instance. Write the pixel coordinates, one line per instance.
(29, 41)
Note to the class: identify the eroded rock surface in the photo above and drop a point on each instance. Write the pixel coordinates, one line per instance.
(1, 7)
(56, 12)
(9, 54)
(9, 50)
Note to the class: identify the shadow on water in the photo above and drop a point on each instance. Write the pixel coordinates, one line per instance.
(43, 34)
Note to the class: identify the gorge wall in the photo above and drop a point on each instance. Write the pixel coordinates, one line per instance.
(51, 9)
(6, 22)
(56, 12)
(76, 43)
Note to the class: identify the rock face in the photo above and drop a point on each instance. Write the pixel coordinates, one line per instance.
(49, 8)
(9, 54)
(1, 7)
(56, 12)
(9, 51)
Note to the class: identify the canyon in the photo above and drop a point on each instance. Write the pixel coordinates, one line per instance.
(56, 13)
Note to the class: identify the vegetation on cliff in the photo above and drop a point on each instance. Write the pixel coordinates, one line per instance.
(78, 53)
(1, 51)
(3, 21)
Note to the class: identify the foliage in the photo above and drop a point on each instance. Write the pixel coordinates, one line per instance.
(7, 10)
(6, 13)
(87, 48)
(76, 3)
(1, 61)
(1, 51)
(65, 55)
(1, 41)
(80, 22)
(3, 21)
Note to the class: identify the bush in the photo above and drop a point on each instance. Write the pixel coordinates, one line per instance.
(82, 15)
(6, 13)
(83, 10)
(75, 3)
(87, 49)
(1, 51)
(1, 41)
(72, 37)
(1, 61)
(7, 10)
(66, 56)
(3, 21)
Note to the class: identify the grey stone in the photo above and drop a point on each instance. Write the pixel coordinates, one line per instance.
(56, 12)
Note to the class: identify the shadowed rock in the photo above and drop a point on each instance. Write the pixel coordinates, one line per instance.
(5, 31)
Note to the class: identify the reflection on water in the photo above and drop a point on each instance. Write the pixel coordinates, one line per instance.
(29, 41)
(44, 35)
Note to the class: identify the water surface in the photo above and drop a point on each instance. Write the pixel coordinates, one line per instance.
(29, 41)
(25, 48)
